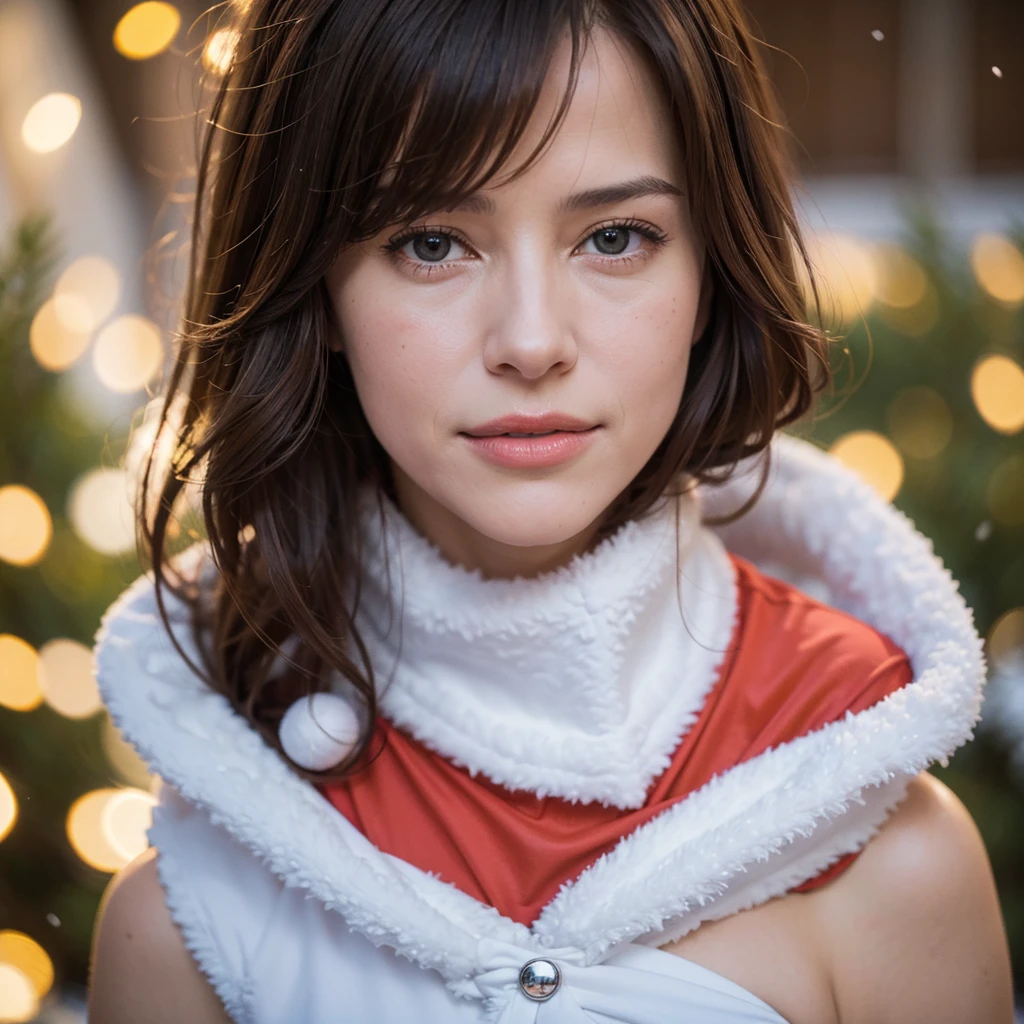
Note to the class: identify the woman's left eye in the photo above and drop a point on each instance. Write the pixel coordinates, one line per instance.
(615, 240)
(625, 242)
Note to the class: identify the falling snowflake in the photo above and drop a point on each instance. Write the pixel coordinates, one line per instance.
(998, 72)
(878, 34)
(984, 530)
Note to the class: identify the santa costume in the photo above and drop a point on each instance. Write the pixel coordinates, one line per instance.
(571, 771)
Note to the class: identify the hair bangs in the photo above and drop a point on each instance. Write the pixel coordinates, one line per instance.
(470, 93)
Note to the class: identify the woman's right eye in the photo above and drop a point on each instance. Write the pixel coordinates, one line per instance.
(429, 246)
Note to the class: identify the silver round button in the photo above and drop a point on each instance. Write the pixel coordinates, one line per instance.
(539, 979)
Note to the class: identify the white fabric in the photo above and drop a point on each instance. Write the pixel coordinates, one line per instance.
(282, 900)
(578, 684)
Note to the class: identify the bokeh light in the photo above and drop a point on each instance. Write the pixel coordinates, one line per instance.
(66, 679)
(901, 281)
(874, 458)
(1006, 639)
(18, 999)
(146, 30)
(19, 674)
(22, 951)
(101, 513)
(122, 756)
(847, 272)
(107, 827)
(998, 267)
(128, 353)
(51, 122)
(920, 422)
(25, 525)
(219, 51)
(997, 387)
(8, 808)
(1005, 491)
(53, 344)
(86, 294)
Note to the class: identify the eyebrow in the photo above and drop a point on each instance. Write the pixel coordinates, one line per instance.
(606, 195)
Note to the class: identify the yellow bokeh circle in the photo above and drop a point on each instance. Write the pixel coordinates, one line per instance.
(146, 30)
(998, 267)
(25, 525)
(19, 674)
(128, 353)
(997, 387)
(874, 458)
(86, 293)
(22, 951)
(54, 345)
(100, 511)
(66, 678)
(8, 808)
(51, 121)
(18, 999)
(107, 827)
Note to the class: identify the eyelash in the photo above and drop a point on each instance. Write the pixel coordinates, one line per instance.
(394, 245)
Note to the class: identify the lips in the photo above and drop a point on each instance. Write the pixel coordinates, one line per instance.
(520, 425)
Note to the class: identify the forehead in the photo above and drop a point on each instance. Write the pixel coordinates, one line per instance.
(617, 125)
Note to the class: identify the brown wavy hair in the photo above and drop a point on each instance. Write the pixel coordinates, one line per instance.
(338, 118)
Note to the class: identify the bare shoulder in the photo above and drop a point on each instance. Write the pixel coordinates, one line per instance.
(141, 969)
(914, 925)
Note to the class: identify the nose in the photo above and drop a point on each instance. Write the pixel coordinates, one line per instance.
(530, 328)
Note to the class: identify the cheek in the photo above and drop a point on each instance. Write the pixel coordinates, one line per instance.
(647, 350)
(402, 374)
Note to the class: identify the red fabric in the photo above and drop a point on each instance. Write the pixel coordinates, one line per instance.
(793, 665)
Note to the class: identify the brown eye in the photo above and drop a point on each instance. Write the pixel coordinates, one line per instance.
(431, 247)
(611, 241)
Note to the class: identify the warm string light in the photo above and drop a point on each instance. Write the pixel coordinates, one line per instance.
(128, 353)
(100, 511)
(146, 30)
(107, 827)
(8, 808)
(20, 689)
(219, 51)
(997, 387)
(874, 458)
(998, 267)
(66, 678)
(25, 525)
(22, 951)
(51, 121)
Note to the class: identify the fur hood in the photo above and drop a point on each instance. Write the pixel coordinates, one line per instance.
(751, 833)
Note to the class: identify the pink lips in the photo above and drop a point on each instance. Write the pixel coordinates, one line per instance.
(560, 437)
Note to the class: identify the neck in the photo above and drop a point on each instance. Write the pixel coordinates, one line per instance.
(464, 546)
(576, 682)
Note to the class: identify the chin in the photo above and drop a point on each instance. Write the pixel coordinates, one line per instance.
(538, 515)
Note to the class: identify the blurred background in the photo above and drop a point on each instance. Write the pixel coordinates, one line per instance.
(908, 117)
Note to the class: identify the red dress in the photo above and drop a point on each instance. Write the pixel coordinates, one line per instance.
(793, 665)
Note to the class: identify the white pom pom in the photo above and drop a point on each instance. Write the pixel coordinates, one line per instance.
(318, 731)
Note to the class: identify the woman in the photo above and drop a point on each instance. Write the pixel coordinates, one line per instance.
(493, 305)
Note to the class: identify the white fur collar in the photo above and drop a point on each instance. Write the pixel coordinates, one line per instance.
(579, 683)
(751, 833)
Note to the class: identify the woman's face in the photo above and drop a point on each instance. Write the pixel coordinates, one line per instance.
(551, 296)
